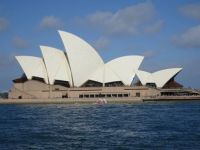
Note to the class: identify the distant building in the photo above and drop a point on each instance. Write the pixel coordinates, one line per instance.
(80, 72)
(3, 95)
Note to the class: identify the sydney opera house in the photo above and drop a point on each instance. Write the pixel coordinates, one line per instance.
(80, 72)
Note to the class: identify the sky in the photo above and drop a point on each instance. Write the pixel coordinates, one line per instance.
(166, 33)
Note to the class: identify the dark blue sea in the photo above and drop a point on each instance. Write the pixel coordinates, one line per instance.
(149, 125)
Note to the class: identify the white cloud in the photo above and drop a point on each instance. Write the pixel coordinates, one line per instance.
(188, 39)
(191, 10)
(127, 21)
(101, 44)
(51, 22)
(154, 28)
(3, 24)
(20, 43)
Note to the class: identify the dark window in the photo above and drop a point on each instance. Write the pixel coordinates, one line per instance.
(38, 79)
(62, 83)
(137, 94)
(108, 95)
(153, 85)
(92, 95)
(86, 96)
(102, 95)
(114, 84)
(80, 96)
(65, 96)
(20, 97)
(91, 83)
(119, 95)
(114, 95)
(125, 95)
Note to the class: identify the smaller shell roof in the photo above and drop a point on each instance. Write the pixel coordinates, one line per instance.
(33, 67)
(160, 78)
(125, 67)
(56, 64)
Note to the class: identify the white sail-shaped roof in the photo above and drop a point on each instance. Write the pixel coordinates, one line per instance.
(33, 67)
(160, 78)
(56, 64)
(83, 58)
(104, 75)
(163, 76)
(120, 69)
(145, 77)
(83, 63)
(98, 75)
(110, 75)
(125, 67)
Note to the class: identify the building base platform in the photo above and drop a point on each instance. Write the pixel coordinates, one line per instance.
(96, 100)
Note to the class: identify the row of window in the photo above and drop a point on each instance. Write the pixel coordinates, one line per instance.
(178, 94)
(103, 95)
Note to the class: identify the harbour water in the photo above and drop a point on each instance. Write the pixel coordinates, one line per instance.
(149, 125)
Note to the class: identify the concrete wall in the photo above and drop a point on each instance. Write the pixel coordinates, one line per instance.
(35, 89)
(131, 91)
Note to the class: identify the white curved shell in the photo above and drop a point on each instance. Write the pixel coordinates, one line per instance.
(160, 78)
(110, 75)
(56, 65)
(163, 76)
(98, 75)
(145, 77)
(83, 63)
(120, 69)
(125, 67)
(33, 67)
(104, 75)
(83, 58)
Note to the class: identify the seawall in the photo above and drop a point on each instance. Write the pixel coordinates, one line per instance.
(96, 100)
(68, 101)
(172, 98)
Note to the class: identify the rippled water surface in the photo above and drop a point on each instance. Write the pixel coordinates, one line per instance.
(163, 125)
